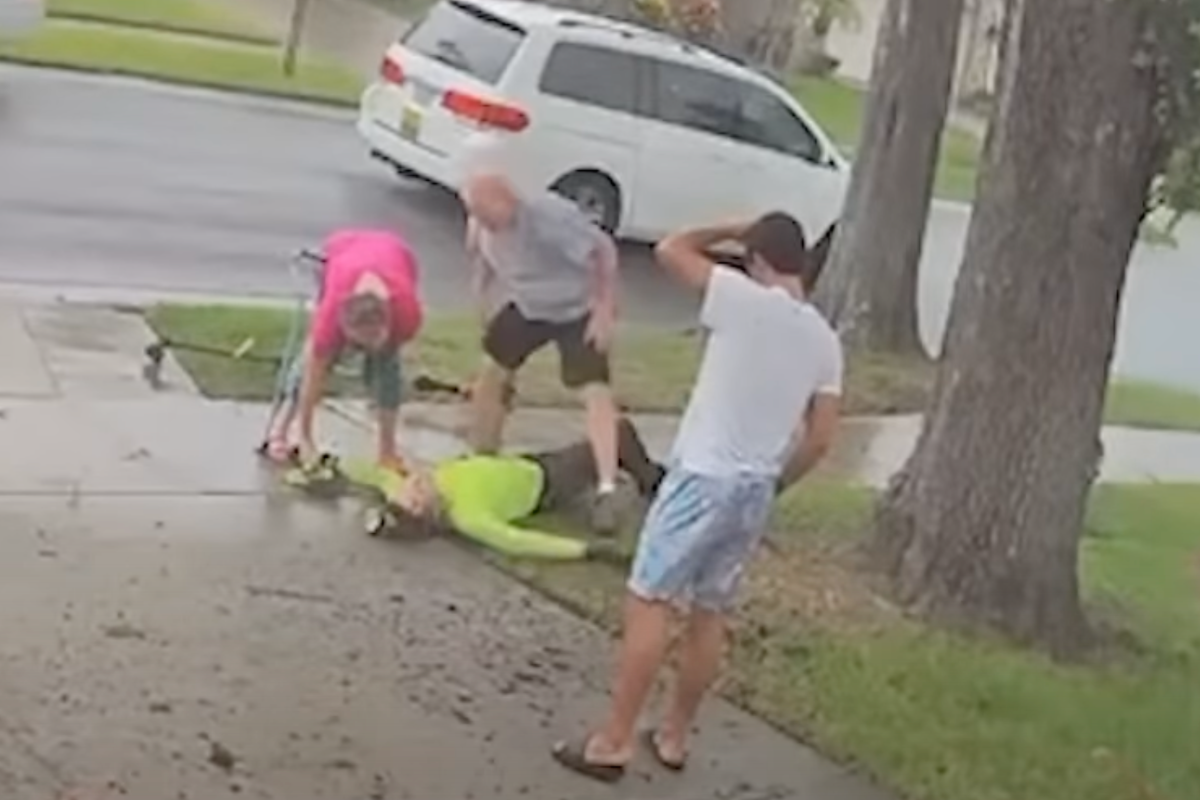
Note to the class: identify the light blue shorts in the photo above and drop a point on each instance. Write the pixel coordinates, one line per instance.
(698, 536)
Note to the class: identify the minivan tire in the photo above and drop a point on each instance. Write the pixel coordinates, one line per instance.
(595, 194)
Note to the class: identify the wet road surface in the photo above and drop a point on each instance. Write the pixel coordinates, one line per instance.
(122, 185)
(113, 183)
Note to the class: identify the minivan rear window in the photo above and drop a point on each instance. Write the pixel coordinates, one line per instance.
(592, 75)
(467, 38)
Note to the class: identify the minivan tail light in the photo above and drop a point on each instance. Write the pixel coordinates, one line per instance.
(391, 71)
(484, 112)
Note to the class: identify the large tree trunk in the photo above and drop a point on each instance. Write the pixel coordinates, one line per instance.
(871, 293)
(982, 525)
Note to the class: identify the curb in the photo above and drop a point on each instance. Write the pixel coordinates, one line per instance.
(164, 27)
(224, 88)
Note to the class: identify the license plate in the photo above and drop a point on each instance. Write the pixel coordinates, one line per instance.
(410, 122)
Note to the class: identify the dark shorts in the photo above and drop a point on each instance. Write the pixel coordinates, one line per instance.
(510, 339)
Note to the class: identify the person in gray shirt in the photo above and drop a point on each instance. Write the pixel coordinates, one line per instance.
(544, 274)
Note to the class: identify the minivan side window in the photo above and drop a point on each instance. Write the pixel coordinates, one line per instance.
(768, 122)
(467, 38)
(697, 99)
(592, 75)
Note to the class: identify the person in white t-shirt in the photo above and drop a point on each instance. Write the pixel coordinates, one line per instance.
(762, 414)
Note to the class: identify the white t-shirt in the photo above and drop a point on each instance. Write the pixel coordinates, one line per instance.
(768, 354)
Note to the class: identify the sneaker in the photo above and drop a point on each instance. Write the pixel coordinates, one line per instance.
(605, 516)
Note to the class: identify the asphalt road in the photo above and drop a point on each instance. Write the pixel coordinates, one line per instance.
(112, 183)
(124, 185)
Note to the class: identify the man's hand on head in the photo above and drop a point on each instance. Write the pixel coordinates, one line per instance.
(689, 254)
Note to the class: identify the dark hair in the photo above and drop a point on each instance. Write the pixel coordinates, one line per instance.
(777, 239)
(407, 525)
(364, 311)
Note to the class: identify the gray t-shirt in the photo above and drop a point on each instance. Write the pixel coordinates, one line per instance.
(543, 262)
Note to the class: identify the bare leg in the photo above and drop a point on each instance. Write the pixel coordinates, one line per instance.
(699, 661)
(602, 431)
(643, 648)
(488, 409)
(635, 459)
(287, 408)
(283, 422)
(388, 418)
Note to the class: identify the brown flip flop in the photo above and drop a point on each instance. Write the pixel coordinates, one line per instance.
(650, 740)
(573, 756)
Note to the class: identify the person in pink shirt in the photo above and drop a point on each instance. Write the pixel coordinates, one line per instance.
(368, 302)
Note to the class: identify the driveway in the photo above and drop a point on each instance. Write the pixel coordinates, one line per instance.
(178, 627)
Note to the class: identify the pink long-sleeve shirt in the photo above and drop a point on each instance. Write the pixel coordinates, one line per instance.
(349, 255)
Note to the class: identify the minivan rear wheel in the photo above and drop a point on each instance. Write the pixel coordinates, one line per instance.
(595, 194)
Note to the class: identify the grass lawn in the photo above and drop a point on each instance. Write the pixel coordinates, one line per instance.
(654, 368)
(839, 108)
(408, 9)
(1143, 404)
(190, 14)
(939, 717)
(183, 58)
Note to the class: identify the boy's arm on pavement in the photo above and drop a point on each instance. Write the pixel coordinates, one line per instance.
(511, 540)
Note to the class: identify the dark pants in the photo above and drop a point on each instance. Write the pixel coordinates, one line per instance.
(510, 339)
(570, 472)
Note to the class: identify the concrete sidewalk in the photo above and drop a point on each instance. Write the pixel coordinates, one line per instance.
(352, 32)
(869, 450)
(178, 626)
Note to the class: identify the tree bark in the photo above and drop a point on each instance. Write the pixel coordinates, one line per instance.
(983, 523)
(871, 293)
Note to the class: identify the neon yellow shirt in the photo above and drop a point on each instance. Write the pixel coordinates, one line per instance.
(484, 496)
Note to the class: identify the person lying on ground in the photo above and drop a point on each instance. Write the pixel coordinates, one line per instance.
(485, 497)
(368, 302)
(762, 414)
(543, 274)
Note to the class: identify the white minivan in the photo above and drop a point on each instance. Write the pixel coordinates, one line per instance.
(647, 133)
